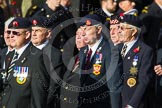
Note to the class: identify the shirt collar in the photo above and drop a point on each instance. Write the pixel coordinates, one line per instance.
(131, 12)
(107, 12)
(160, 6)
(21, 50)
(8, 50)
(130, 44)
(95, 46)
(42, 45)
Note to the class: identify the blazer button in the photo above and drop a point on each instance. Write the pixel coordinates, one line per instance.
(65, 98)
(4, 94)
(66, 88)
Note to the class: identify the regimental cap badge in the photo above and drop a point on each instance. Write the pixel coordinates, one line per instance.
(15, 24)
(34, 22)
(88, 22)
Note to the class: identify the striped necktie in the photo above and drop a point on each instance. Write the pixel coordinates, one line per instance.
(12, 64)
(123, 50)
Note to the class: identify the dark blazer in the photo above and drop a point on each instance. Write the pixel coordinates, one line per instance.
(152, 21)
(3, 56)
(102, 15)
(89, 98)
(134, 94)
(68, 95)
(31, 92)
(53, 62)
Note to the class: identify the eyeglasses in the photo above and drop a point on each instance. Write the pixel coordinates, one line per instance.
(14, 32)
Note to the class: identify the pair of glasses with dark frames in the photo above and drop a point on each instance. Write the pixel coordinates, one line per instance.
(14, 32)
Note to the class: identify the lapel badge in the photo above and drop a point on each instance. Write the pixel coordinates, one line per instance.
(131, 82)
(9, 59)
(96, 69)
(22, 61)
(22, 75)
(4, 74)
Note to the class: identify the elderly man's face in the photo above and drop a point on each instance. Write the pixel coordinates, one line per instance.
(79, 40)
(114, 33)
(7, 37)
(18, 37)
(39, 35)
(125, 32)
(92, 34)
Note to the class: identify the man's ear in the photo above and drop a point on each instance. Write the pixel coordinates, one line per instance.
(134, 31)
(48, 34)
(28, 34)
(99, 29)
(133, 4)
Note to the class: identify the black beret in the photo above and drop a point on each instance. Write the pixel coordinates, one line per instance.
(132, 20)
(90, 20)
(20, 23)
(40, 21)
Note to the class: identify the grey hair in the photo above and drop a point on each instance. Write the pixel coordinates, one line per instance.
(9, 21)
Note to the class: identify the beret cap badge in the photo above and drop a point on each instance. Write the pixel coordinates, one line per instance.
(34, 22)
(15, 24)
(88, 22)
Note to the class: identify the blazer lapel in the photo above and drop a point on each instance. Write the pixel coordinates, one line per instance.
(131, 52)
(22, 59)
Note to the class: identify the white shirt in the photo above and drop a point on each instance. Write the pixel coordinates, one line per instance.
(129, 45)
(131, 12)
(21, 50)
(95, 46)
(160, 6)
(42, 45)
(107, 12)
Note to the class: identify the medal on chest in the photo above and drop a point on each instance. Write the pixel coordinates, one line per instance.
(21, 74)
(97, 66)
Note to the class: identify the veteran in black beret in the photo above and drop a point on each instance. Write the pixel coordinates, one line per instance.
(95, 59)
(41, 32)
(137, 63)
(25, 74)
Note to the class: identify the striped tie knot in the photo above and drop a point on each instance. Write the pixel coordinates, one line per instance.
(123, 50)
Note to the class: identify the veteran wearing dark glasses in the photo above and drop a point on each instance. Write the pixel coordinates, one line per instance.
(25, 71)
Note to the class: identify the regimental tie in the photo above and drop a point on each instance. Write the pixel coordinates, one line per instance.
(88, 58)
(77, 61)
(12, 64)
(123, 50)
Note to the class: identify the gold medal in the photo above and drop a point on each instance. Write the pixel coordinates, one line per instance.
(133, 70)
(20, 80)
(131, 82)
(96, 69)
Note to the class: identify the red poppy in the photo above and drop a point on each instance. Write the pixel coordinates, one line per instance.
(15, 24)
(88, 22)
(136, 50)
(13, 2)
(34, 22)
